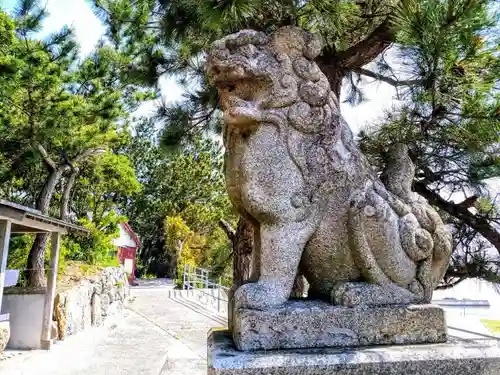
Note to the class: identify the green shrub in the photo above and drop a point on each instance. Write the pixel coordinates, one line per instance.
(97, 247)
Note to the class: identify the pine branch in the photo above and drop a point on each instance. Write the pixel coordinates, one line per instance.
(481, 224)
(86, 154)
(64, 208)
(46, 157)
(390, 81)
(369, 48)
(228, 229)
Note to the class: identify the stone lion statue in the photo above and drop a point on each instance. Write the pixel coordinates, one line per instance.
(292, 168)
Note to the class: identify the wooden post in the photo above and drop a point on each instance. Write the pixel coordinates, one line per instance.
(5, 226)
(218, 293)
(184, 278)
(48, 308)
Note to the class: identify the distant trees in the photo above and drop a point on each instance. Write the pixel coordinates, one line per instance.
(62, 120)
(182, 199)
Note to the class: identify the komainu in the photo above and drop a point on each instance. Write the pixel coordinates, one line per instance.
(293, 168)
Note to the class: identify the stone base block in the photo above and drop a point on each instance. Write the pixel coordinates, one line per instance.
(4, 334)
(317, 324)
(46, 344)
(468, 357)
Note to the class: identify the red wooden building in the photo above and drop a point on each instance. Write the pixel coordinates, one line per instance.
(127, 244)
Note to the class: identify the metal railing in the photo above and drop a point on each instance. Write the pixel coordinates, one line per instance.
(195, 278)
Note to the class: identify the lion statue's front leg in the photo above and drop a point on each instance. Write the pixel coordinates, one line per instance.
(286, 217)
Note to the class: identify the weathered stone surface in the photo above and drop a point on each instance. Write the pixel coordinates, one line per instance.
(60, 315)
(54, 331)
(364, 294)
(4, 334)
(97, 287)
(293, 167)
(105, 303)
(96, 313)
(317, 324)
(77, 308)
(470, 357)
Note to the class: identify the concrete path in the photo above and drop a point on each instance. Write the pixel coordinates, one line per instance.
(158, 336)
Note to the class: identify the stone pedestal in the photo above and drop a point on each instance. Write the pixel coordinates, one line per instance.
(317, 324)
(4, 331)
(457, 357)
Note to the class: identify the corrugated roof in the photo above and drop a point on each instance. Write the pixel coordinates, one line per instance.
(28, 213)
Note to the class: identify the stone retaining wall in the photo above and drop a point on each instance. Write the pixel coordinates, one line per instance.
(90, 302)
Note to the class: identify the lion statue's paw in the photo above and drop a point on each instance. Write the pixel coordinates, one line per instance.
(260, 296)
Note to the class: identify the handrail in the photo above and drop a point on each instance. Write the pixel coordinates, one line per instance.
(196, 278)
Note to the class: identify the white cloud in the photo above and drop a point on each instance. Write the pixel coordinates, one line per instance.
(76, 14)
(171, 92)
(379, 98)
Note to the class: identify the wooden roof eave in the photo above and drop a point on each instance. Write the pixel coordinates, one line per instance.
(27, 220)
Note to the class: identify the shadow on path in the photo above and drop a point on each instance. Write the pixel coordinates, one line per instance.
(200, 310)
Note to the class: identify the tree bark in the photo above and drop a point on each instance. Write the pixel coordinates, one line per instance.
(461, 212)
(36, 258)
(243, 246)
(334, 72)
(64, 209)
(369, 48)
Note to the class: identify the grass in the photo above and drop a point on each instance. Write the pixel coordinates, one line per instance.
(492, 325)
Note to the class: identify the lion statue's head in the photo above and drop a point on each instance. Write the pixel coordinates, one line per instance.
(260, 76)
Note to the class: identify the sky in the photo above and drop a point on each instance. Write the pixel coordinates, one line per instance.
(76, 13)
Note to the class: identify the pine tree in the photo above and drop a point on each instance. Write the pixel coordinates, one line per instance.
(444, 68)
(59, 112)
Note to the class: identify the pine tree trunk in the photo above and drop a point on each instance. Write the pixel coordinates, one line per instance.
(243, 247)
(36, 258)
(36, 261)
(64, 209)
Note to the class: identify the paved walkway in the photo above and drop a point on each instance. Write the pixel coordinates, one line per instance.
(158, 336)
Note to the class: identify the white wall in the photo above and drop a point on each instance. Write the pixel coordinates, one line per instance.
(124, 239)
(26, 314)
(473, 289)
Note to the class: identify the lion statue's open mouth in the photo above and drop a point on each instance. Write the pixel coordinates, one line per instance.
(243, 84)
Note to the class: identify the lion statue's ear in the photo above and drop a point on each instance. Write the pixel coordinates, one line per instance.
(294, 42)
